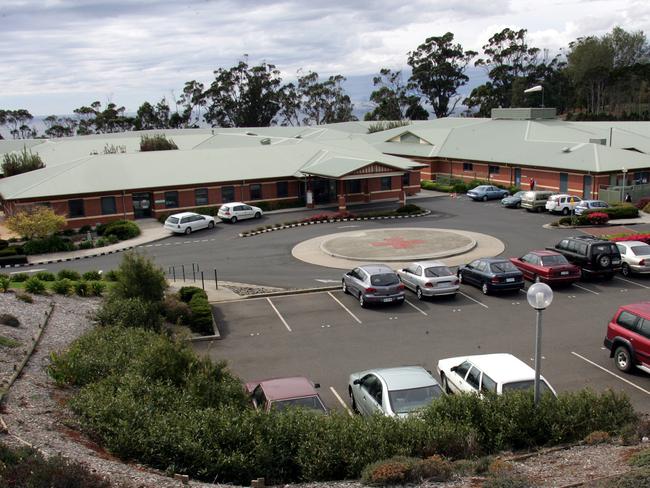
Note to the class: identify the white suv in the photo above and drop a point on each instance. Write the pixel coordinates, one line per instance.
(187, 222)
(235, 211)
(562, 203)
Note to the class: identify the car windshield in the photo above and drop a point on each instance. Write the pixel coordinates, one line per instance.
(641, 250)
(553, 260)
(607, 248)
(172, 220)
(437, 271)
(310, 403)
(405, 401)
(384, 279)
(525, 385)
(504, 267)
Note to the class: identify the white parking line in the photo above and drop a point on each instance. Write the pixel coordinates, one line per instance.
(280, 316)
(472, 299)
(417, 308)
(586, 289)
(28, 271)
(344, 307)
(633, 282)
(613, 374)
(338, 397)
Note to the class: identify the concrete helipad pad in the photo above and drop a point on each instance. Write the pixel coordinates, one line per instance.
(396, 247)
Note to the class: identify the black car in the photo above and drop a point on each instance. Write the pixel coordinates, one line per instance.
(492, 274)
(596, 257)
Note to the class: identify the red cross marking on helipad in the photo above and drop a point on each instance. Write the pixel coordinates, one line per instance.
(397, 243)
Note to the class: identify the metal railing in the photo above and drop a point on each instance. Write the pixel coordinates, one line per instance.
(181, 272)
(616, 193)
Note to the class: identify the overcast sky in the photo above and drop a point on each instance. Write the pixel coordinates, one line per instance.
(56, 55)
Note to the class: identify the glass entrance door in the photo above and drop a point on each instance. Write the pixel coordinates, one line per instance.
(324, 190)
(518, 177)
(586, 187)
(142, 205)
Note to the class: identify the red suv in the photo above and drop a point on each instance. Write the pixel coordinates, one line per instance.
(628, 337)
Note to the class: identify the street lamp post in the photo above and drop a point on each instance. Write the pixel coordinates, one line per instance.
(623, 185)
(539, 297)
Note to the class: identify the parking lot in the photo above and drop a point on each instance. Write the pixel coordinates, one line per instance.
(327, 335)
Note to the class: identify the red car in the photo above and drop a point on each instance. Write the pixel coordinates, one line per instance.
(628, 337)
(548, 267)
(281, 393)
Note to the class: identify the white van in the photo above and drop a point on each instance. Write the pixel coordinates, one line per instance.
(562, 203)
(235, 211)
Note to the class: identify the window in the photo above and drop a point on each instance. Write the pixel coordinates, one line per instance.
(386, 183)
(228, 194)
(488, 384)
(474, 378)
(494, 170)
(282, 189)
(418, 271)
(201, 196)
(256, 191)
(373, 386)
(171, 199)
(108, 206)
(462, 369)
(353, 186)
(644, 328)
(76, 208)
(627, 320)
(406, 179)
(468, 167)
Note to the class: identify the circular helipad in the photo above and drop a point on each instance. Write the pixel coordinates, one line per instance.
(396, 246)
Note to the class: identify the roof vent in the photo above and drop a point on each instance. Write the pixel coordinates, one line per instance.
(266, 141)
(602, 142)
(251, 134)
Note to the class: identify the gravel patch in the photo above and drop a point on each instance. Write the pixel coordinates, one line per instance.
(245, 289)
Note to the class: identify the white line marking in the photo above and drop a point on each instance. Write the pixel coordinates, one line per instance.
(586, 289)
(344, 307)
(613, 374)
(280, 316)
(338, 397)
(633, 282)
(28, 271)
(472, 299)
(417, 308)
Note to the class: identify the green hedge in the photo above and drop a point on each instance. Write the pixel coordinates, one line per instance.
(121, 229)
(622, 211)
(127, 312)
(186, 293)
(201, 318)
(49, 244)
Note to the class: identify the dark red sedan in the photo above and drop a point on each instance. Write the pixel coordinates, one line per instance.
(548, 267)
(282, 393)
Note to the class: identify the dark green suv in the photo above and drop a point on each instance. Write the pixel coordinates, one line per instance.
(596, 257)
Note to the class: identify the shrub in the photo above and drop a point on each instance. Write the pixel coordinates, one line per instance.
(24, 297)
(68, 274)
(597, 437)
(96, 288)
(20, 277)
(138, 277)
(111, 275)
(100, 228)
(597, 218)
(5, 283)
(35, 222)
(85, 245)
(632, 237)
(45, 276)
(176, 311)
(91, 275)
(201, 321)
(16, 163)
(84, 229)
(434, 468)
(642, 203)
(129, 312)
(112, 239)
(52, 243)
(186, 293)
(35, 286)
(9, 320)
(156, 142)
(3, 244)
(620, 211)
(81, 288)
(395, 471)
(121, 230)
(8, 251)
(101, 242)
(408, 209)
(62, 287)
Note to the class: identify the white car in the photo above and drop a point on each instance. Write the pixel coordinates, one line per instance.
(562, 203)
(394, 392)
(235, 211)
(494, 373)
(188, 222)
(635, 256)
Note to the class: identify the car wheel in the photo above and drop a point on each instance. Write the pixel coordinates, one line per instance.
(344, 287)
(188, 231)
(518, 205)
(623, 359)
(362, 301)
(625, 270)
(233, 220)
(258, 215)
(485, 289)
(484, 198)
(604, 261)
(445, 383)
(211, 225)
(565, 211)
(418, 293)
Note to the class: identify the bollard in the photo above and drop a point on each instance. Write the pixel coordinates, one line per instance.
(216, 283)
(193, 273)
(202, 281)
(183, 268)
(174, 273)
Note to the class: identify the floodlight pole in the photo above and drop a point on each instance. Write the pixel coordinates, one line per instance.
(538, 354)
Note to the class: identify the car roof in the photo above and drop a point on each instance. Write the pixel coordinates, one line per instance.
(501, 367)
(183, 214)
(232, 204)
(285, 388)
(405, 377)
(592, 201)
(376, 268)
(641, 308)
(428, 264)
(544, 252)
(631, 243)
(493, 260)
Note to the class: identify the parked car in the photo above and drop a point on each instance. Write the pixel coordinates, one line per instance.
(282, 393)
(562, 203)
(394, 392)
(585, 205)
(628, 337)
(486, 192)
(535, 201)
(492, 274)
(488, 373)
(513, 201)
(373, 283)
(188, 222)
(235, 211)
(596, 257)
(635, 256)
(548, 267)
(429, 278)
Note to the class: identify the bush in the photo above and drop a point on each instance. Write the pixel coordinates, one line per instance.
(632, 237)
(85, 245)
(8, 251)
(91, 275)
(101, 242)
(201, 321)
(84, 229)
(49, 244)
(434, 468)
(45, 276)
(24, 297)
(3, 244)
(138, 277)
(409, 209)
(5, 283)
(68, 274)
(9, 320)
(156, 142)
(20, 277)
(129, 312)
(619, 211)
(35, 286)
(121, 229)
(111, 275)
(96, 288)
(62, 287)
(598, 218)
(176, 311)
(186, 293)
(112, 239)
(81, 288)
(395, 471)
(597, 437)
(642, 203)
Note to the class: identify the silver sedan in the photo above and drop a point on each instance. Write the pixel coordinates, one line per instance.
(635, 256)
(394, 392)
(429, 278)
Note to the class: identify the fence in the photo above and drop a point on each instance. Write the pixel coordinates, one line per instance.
(616, 194)
(182, 273)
